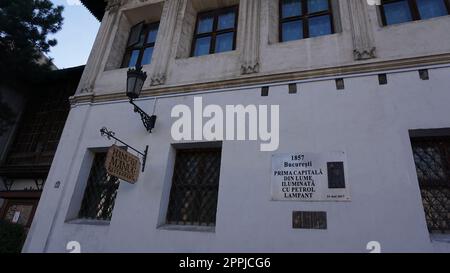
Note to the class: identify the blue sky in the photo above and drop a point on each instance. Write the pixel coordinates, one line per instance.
(76, 37)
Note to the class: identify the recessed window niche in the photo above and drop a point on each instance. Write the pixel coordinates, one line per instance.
(148, 14)
(189, 19)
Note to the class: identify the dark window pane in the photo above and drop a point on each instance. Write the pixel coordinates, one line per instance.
(135, 33)
(224, 42)
(431, 8)
(319, 26)
(290, 8)
(317, 5)
(397, 12)
(432, 166)
(194, 191)
(152, 35)
(126, 59)
(336, 177)
(141, 40)
(134, 58)
(205, 25)
(292, 31)
(147, 57)
(202, 46)
(101, 191)
(226, 20)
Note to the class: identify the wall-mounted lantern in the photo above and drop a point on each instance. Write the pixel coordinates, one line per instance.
(135, 81)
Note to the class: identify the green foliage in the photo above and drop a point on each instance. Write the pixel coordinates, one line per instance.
(6, 116)
(24, 27)
(12, 237)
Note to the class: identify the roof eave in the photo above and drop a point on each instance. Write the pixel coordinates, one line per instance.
(95, 7)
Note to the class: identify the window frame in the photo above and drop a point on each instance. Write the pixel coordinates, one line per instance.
(439, 143)
(110, 184)
(413, 9)
(304, 17)
(214, 33)
(40, 127)
(172, 210)
(146, 28)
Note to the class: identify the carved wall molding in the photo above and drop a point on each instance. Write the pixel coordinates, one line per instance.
(93, 65)
(165, 38)
(249, 21)
(113, 5)
(258, 79)
(363, 42)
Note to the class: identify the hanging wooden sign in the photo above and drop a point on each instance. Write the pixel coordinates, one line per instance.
(122, 164)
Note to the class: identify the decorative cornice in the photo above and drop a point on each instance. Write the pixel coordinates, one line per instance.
(362, 36)
(165, 41)
(113, 5)
(255, 79)
(249, 21)
(81, 98)
(364, 54)
(158, 79)
(250, 68)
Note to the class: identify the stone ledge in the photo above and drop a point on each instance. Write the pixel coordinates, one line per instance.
(252, 79)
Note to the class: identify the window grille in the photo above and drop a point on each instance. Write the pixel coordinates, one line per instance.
(100, 193)
(40, 128)
(195, 183)
(432, 159)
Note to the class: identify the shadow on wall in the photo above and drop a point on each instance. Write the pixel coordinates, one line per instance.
(6, 116)
(12, 237)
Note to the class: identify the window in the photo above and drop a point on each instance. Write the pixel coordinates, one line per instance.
(432, 159)
(100, 193)
(141, 43)
(43, 121)
(300, 19)
(400, 11)
(195, 184)
(215, 32)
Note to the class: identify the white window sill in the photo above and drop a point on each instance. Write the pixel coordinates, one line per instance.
(304, 40)
(89, 222)
(440, 238)
(208, 56)
(188, 228)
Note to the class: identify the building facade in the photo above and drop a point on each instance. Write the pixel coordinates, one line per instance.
(361, 89)
(28, 145)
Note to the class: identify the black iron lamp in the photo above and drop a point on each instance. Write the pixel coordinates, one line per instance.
(135, 81)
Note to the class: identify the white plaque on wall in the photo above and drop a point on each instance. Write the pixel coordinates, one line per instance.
(309, 177)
